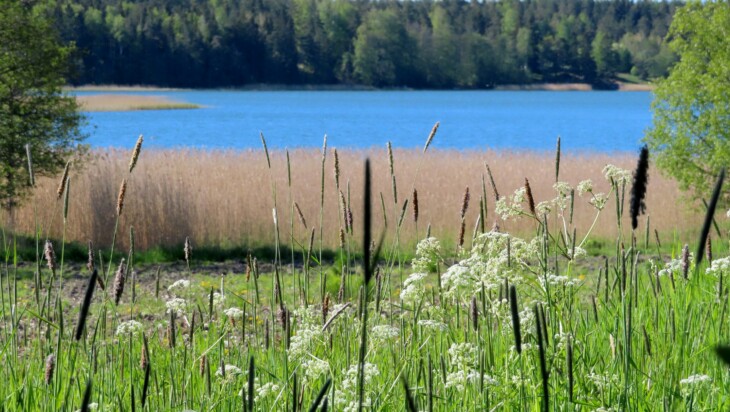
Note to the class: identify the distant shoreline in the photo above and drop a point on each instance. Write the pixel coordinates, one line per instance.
(586, 87)
(129, 102)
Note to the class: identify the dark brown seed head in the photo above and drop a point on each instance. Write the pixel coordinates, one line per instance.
(638, 189)
(465, 203)
(685, 261)
(300, 214)
(415, 205)
(515, 318)
(325, 307)
(50, 256)
(462, 230)
(143, 361)
(267, 338)
(50, 366)
(342, 238)
(349, 217)
(530, 199)
(120, 198)
(283, 316)
(119, 279)
(474, 313)
(249, 267)
(203, 362)
(491, 181)
(341, 290)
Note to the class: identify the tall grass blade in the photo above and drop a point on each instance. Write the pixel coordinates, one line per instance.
(320, 395)
(708, 219)
(84, 311)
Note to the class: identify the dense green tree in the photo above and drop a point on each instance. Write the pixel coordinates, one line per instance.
(33, 109)
(690, 136)
(384, 51)
(224, 43)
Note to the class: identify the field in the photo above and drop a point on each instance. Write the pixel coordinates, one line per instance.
(518, 313)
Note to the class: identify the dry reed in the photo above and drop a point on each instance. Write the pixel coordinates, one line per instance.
(215, 195)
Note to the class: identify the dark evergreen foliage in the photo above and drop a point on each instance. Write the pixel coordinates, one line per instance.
(444, 44)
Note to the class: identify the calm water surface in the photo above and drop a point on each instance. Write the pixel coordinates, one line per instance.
(593, 121)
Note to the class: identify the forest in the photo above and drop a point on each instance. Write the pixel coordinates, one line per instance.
(389, 44)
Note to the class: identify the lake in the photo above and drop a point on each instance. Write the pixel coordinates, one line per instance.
(586, 121)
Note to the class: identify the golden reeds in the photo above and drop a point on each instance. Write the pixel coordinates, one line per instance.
(135, 153)
(186, 192)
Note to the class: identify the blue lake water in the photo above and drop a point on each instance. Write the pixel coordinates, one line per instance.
(591, 121)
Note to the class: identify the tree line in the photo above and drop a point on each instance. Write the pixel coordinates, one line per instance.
(419, 44)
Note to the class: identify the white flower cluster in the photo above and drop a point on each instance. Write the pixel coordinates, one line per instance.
(512, 208)
(463, 355)
(674, 266)
(554, 280)
(314, 368)
(234, 313)
(413, 288)
(598, 200)
(346, 397)
(616, 175)
(428, 253)
(490, 262)
(383, 333)
(695, 380)
(576, 253)
(719, 266)
(308, 333)
(604, 381)
(176, 305)
(432, 324)
(460, 378)
(265, 390)
(179, 286)
(129, 328)
(230, 370)
(584, 187)
(218, 299)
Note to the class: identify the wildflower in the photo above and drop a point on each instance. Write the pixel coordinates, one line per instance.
(585, 186)
(576, 253)
(463, 354)
(599, 200)
(178, 286)
(314, 368)
(432, 324)
(177, 305)
(346, 397)
(309, 332)
(719, 266)
(616, 175)
(129, 328)
(266, 390)
(428, 252)
(543, 208)
(218, 299)
(459, 379)
(230, 370)
(234, 313)
(413, 288)
(695, 379)
(384, 333)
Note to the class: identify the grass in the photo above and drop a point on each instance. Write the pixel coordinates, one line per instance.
(124, 103)
(285, 330)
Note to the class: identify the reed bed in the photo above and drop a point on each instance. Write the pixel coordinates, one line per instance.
(223, 198)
